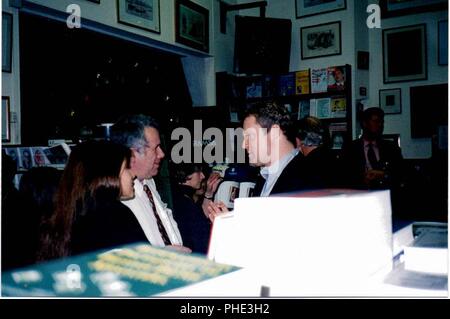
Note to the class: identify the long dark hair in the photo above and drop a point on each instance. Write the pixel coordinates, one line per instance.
(93, 168)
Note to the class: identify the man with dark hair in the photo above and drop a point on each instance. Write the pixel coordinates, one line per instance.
(372, 162)
(269, 140)
(140, 133)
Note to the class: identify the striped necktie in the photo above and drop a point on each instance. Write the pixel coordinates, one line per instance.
(161, 228)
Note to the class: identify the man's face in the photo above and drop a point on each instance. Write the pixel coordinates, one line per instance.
(374, 126)
(146, 161)
(256, 142)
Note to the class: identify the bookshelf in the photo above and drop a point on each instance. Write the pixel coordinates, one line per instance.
(321, 92)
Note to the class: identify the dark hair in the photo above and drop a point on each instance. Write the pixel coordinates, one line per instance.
(371, 111)
(312, 131)
(129, 130)
(93, 169)
(272, 113)
(181, 171)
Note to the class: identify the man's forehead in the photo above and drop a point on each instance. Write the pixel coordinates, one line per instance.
(152, 135)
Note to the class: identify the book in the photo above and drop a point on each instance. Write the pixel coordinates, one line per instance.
(254, 88)
(338, 107)
(337, 135)
(336, 78)
(286, 84)
(303, 109)
(428, 252)
(320, 108)
(302, 82)
(127, 271)
(319, 80)
(229, 191)
(269, 85)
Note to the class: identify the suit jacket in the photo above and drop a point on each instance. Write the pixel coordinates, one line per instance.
(290, 179)
(354, 162)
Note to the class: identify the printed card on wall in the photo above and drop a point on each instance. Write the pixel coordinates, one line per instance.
(319, 81)
(286, 84)
(303, 109)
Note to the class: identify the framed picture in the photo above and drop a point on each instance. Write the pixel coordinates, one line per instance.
(443, 42)
(6, 126)
(391, 101)
(321, 40)
(143, 14)
(394, 8)
(305, 8)
(95, 1)
(192, 25)
(6, 41)
(404, 54)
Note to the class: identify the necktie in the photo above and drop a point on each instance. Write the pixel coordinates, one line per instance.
(372, 157)
(161, 228)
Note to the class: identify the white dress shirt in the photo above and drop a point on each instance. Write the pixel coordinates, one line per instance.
(142, 209)
(272, 172)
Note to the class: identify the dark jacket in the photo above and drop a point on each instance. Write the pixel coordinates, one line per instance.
(194, 226)
(106, 223)
(354, 163)
(290, 179)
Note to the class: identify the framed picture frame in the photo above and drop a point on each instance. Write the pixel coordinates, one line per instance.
(192, 25)
(142, 14)
(6, 121)
(95, 1)
(306, 8)
(7, 25)
(321, 40)
(391, 101)
(404, 54)
(395, 8)
(443, 42)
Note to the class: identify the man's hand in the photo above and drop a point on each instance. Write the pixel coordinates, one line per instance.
(212, 183)
(216, 209)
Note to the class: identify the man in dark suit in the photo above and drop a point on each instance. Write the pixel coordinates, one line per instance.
(269, 140)
(370, 161)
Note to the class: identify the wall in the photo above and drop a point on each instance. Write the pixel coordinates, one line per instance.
(11, 81)
(199, 66)
(357, 36)
(400, 124)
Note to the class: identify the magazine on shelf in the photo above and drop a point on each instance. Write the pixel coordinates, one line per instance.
(320, 108)
(286, 84)
(337, 135)
(254, 88)
(303, 109)
(338, 107)
(302, 82)
(336, 78)
(319, 80)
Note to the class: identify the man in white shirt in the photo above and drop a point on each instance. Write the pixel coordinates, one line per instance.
(140, 133)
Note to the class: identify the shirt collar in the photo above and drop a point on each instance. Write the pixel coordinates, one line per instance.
(277, 167)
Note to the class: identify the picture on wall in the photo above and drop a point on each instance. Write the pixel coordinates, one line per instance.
(305, 8)
(443, 42)
(391, 101)
(143, 14)
(6, 41)
(405, 54)
(394, 8)
(192, 25)
(321, 40)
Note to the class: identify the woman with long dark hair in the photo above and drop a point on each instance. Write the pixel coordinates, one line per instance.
(88, 214)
